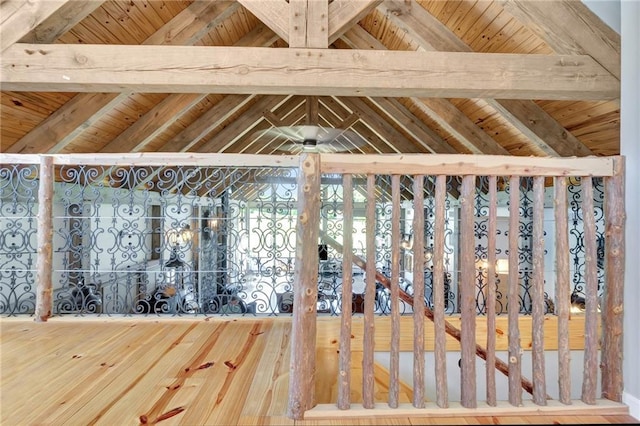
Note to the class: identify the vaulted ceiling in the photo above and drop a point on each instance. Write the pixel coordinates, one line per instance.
(515, 77)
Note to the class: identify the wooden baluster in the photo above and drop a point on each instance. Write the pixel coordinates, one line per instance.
(513, 294)
(612, 306)
(537, 294)
(468, 294)
(590, 376)
(344, 379)
(394, 368)
(44, 290)
(491, 291)
(440, 349)
(418, 292)
(563, 291)
(305, 296)
(368, 379)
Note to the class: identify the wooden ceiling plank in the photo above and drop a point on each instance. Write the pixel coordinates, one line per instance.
(157, 120)
(343, 14)
(274, 14)
(69, 121)
(217, 69)
(412, 125)
(536, 122)
(70, 14)
(455, 122)
(21, 17)
(312, 110)
(570, 27)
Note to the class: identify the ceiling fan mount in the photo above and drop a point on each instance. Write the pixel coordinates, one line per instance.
(312, 138)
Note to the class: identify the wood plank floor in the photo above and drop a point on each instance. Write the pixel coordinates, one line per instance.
(106, 371)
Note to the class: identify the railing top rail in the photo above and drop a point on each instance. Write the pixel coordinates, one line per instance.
(466, 164)
(432, 164)
(159, 159)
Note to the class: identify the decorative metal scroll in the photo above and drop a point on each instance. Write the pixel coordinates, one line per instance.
(18, 239)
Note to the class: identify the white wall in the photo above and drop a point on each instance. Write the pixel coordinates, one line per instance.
(629, 147)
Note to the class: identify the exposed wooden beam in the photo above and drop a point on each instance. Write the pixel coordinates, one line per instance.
(157, 120)
(455, 122)
(20, 17)
(226, 136)
(570, 27)
(205, 69)
(431, 34)
(344, 14)
(65, 18)
(412, 125)
(208, 121)
(274, 14)
(59, 129)
(380, 126)
(540, 128)
(308, 23)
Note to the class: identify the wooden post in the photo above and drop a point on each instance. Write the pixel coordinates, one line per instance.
(44, 289)
(440, 349)
(468, 294)
(344, 379)
(537, 294)
(562, 289)
(303, 336)
(394, 367)
(491, 291)
(590, 375)
(612, 308)
(418, 291)
(368, 380)
(513, 294)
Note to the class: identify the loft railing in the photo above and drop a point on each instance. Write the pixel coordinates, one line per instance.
(437, 169)
(407, 178)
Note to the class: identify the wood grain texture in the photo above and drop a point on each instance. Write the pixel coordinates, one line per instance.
(513, 298)
(369, 341)
(440, 358)
(44, 261)
(537, 295)
(418, 285)
(113, 370)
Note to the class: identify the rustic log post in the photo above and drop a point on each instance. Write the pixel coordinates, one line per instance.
(513, 294)
(418, 291)
(303, 336)
(612, 307)
(450, 329)
(491, 292)
(440, 348)
(344, 379)
(590, 374)
(562, 289)
(467, 294)
(394, 368)
(44, 289)
(537, 294)
(368, 379)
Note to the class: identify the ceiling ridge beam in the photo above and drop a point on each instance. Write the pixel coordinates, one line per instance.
(70, 120)
(431, 34)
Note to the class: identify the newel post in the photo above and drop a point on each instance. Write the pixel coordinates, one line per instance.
(44, 287)
(303, 335)
(612, 312)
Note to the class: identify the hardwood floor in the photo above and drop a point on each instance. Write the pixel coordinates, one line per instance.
(108, 371)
